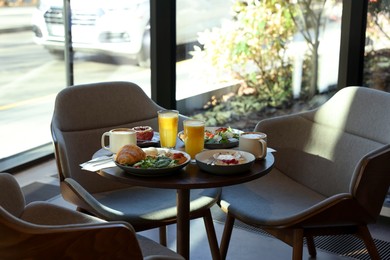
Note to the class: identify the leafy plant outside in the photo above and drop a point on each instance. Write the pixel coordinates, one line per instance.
(253, 49)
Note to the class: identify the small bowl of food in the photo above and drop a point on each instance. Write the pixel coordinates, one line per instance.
(144, 133)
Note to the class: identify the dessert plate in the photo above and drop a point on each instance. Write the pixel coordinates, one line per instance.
(210, 161)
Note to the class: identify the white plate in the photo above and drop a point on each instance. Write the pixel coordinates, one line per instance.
(153, 172)
(205, 162)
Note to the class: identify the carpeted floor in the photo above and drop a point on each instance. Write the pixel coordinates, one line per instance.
(343, 245)
(38, 191)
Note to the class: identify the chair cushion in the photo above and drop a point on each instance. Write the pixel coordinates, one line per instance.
(271, 200)
(139, 205)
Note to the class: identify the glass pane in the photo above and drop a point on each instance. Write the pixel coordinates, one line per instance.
(111, 41)
(266, 58)
(193, 18)
(29, 79)
(377, 52)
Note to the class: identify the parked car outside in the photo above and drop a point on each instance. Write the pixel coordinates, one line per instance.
(120, 27)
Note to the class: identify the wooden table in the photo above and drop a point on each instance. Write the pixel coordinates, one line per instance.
(190, 177)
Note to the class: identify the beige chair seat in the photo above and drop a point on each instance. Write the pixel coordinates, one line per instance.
(264, 196)
(143, 207)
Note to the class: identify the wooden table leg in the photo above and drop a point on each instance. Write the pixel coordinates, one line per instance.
(183, 223)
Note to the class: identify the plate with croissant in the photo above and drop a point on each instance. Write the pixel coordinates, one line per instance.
(151, 161)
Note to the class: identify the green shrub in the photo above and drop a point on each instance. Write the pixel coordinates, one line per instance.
(252, 48)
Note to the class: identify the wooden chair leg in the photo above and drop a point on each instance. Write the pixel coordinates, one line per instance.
(311, 246)
(365, 235)
(297, 244)
(163, 235)
(212, 237)
(227, 233)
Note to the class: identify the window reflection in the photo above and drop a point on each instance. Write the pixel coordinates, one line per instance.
(107, 45)
(29, 81)
(377, 52)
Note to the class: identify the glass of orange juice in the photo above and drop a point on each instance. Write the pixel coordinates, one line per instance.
(193, 137)
(167, 126)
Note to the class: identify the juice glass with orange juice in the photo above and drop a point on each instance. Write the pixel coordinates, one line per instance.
(193, 137)
(167, 127)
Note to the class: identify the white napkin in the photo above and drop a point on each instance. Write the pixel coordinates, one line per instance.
(98, 163)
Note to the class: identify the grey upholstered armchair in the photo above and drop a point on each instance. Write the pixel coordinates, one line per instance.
(331, 174)
(81, 115)
(40, 230)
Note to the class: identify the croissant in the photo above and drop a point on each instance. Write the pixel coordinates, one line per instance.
(130, 154)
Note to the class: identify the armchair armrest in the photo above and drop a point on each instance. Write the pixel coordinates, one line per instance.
(73, 192)
(21, 239)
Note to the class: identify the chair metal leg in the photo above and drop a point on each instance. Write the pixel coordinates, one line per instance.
(163, 235)
(227, 233)
(212, 237)
(311, 246)
(297, 244)
(365, 235)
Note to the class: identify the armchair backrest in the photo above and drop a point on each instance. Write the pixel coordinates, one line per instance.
(83, 113)
(324, 148)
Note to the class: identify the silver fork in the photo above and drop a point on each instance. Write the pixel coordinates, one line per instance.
(211, 161)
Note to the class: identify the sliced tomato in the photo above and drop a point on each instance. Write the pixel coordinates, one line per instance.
(208, 134)
(179, 157)
(221, 130)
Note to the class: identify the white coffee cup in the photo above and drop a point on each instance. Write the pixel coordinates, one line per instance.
(118, 138)
(254, 143)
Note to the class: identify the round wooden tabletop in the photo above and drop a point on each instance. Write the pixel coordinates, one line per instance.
(191, 176)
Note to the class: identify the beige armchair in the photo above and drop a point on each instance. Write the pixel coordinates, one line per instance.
(331, 173)
(81, 115)
(41, 230)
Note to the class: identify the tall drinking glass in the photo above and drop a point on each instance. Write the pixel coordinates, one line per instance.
(167, 127)
(193, 137)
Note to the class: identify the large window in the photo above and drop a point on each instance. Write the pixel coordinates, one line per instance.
(29, 80)
(112, 41)
(377, 50)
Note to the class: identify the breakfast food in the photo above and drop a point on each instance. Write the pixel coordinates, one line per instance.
(151, 151)
(149, 158)
(130, 154)
(144, 133)
(220, 135)
(228, 158)
(179, 157)
(163, 159)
